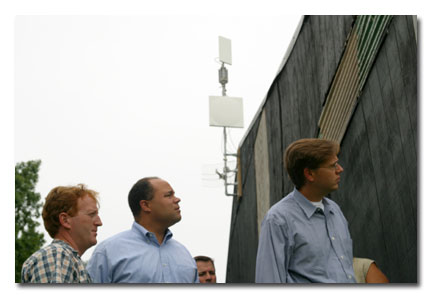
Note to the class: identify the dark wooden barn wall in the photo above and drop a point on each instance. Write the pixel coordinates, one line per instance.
(243, 242)
(378, 192)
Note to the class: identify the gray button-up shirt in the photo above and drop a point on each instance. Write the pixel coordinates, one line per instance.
(297, 244)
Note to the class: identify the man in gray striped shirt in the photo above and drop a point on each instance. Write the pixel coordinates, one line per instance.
(71, 218)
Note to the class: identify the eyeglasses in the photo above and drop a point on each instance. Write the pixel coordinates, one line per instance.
(334, 166)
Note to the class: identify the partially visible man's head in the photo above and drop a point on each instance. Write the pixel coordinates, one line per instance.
(307, 153)
(206, 269)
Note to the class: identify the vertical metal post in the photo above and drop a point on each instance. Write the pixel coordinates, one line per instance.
(223, 80)
(225, 169)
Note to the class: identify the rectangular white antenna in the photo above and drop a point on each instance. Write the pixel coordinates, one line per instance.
(225, 50)
(226, 111)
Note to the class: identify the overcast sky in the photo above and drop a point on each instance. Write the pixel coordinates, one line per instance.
(107, 100)
(122, 93)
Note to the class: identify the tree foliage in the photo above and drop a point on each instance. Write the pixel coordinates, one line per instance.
(27, 210)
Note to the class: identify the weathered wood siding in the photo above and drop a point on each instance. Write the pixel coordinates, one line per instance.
(378, 193)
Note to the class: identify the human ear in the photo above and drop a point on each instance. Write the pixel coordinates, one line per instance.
(64, 220)
(145, 205)
(308, 174)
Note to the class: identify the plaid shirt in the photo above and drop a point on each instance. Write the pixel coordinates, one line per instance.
(55, 263)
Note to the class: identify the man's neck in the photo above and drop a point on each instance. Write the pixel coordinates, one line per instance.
(66, 237)
(157, 230)
(310, 194)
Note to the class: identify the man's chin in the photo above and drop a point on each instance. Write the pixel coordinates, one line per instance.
(175, 220)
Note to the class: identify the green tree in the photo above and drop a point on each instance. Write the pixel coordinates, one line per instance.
(27, 210)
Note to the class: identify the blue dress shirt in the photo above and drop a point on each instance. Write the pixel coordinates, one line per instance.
(135, 256)
(300, 244)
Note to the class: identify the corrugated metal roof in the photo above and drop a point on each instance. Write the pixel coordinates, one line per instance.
(362, 47)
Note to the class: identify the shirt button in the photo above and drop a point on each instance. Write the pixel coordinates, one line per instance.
(349, 276)
(332, 238)
(342, 257)
(164, 265)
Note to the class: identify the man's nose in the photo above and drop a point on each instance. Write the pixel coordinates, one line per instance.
(177, 200)
(98, 221)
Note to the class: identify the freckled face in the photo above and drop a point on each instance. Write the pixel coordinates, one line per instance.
(85, 223)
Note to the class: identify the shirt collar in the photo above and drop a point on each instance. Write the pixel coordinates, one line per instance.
(66, 246)
(146, 234)
(307, 207)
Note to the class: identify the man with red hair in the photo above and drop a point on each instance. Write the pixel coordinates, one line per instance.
(71, 218)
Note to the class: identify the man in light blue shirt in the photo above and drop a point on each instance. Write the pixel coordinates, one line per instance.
(147, 253)
(304, 237)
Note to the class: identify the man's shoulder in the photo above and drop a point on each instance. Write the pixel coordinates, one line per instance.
(281, 210)
(51, 250)
(41, 266)
(37, 256)
(115, 240)
(283, 205)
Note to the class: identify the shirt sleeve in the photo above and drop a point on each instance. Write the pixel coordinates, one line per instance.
(361, 267)
(196, 277)
(273, 254)
(34, 271)
(98, 268)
